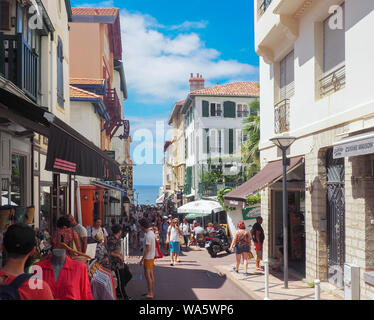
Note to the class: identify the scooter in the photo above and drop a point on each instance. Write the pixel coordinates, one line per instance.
(218, 243)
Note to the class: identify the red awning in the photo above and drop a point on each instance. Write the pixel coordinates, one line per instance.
(270, 174)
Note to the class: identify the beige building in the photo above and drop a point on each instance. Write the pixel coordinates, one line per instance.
(315, 70)
(176, 158)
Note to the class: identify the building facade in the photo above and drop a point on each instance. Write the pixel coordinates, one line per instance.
(314, 70)
(213, 123)
(98, 74)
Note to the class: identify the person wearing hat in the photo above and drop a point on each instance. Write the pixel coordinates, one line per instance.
(19, 244)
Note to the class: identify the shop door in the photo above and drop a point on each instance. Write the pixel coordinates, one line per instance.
(335, 219)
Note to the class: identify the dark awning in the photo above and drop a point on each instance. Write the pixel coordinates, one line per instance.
(68, 151)
(270, 174)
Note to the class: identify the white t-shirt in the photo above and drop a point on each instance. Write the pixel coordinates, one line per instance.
(174, 234)
(185, 228)
(150, 239)
(94, 231)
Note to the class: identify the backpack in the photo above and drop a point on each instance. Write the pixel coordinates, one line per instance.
(10, 291)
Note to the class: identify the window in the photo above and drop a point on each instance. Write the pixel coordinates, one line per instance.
(4, 15)
(287, 76)
(45, 208)
(242, 111)
(333, 44)
(18, 180)
(60, 74)
(215, 110)
(333, 56)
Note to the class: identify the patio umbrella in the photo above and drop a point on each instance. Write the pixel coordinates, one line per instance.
(201, 208)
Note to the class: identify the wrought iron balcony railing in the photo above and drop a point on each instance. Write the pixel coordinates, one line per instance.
(243, 114)
(332, 82)
(113, 106)
(264, 6)
(19, 63)
(282, 116)
(209, 189)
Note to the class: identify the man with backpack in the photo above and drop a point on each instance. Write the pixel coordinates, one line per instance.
(19, 244)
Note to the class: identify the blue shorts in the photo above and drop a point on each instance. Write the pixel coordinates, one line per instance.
(242, 249)
(175, 247)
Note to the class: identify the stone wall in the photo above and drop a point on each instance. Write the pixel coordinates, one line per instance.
(359, 213)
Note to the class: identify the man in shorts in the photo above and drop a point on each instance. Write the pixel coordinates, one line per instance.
(148, 259)
(258, 237)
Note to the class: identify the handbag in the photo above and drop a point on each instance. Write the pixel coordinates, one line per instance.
(158, 251)
(181, 240)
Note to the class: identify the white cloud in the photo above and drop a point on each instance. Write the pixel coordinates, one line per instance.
(187, 25)
(158, 65)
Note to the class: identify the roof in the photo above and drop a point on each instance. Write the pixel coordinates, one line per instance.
(86, 81)
(176, 109)
(95, 11)
(79, 93)
(245, 89)
(268, 175)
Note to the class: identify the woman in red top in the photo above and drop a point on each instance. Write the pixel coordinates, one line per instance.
(66, 235)
(242, 243)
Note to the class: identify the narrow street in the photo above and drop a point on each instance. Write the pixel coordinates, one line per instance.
(194, 278)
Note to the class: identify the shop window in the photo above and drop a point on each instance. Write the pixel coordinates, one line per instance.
(45, 208)
(18, 180)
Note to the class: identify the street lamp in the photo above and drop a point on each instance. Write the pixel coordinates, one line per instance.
(283, 143)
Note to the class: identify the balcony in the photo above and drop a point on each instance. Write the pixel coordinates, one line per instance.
(113, 106)
(282, 116)
(243, 114)
(332, 82)
(19, 64)
(209, 189)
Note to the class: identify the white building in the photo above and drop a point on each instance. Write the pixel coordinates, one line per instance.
(315, 74)
(213, 131)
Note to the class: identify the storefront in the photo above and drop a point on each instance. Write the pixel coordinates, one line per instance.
(350, 225)
(69, 154)
(270, 179)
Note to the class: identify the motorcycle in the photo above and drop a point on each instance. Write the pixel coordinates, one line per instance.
(218, 243)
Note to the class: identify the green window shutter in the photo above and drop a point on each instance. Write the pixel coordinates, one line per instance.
(186, 147)
(205, 141)
(189, 175)
(229, 109)
(205, 109)
(231, 141)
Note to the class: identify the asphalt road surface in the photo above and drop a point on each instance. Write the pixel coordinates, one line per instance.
(194, 278)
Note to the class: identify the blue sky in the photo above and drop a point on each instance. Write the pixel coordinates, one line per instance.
(163, 42)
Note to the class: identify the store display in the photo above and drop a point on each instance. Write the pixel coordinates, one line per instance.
(72, 281)
(102, 282)
(30, 213)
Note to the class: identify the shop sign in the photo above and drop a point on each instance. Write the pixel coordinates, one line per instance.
(126, 125)
(234, 204)
(357, 148)
(251, 213)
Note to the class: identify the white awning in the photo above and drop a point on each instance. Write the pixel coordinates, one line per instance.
(357, 145)
(160, 200)
(201, 207)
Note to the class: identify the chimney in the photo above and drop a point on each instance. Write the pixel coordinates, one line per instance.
(197, 83)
